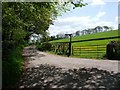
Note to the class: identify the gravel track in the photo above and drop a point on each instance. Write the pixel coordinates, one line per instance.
(52, 71)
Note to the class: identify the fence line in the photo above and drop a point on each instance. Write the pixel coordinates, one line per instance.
(90, 39)
(95, 51)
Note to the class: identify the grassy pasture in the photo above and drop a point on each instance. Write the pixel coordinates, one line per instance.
(91, 36)
(87, 49)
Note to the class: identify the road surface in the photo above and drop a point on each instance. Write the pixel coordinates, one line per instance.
(70, 63)
(44, 70)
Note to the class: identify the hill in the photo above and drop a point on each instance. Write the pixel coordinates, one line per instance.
(90, 49)
(92, 36)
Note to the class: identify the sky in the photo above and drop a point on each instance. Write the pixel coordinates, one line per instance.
(119, 12)
(96, 13)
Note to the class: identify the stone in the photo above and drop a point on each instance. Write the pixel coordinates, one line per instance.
(97, 84)
(71, 73)
(87, 86)
(42, 78)
(50, 79)
(21, 87)
(92, 72)
(79, 87)
(102, 87)
(61, 86)
(98, 76)
(93, 82)
(94, 77)
(45, 81)
(74, 87)
(55, 86)
(88, 81)
(34, 84)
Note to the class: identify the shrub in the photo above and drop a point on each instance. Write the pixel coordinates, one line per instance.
(12, 67)
(113, 50)
(39, 46)
(44, 46)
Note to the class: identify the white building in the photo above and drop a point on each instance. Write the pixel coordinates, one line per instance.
(35, 38)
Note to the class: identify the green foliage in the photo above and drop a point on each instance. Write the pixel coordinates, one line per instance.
(18, 20)
(116, 50)
(44, 46)
(39, 46)
(12, 67)
(19, 17)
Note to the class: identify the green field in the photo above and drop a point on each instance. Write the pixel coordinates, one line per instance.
(88, 51)
(91, 36)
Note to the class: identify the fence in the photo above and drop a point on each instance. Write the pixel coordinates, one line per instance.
(60, 48)
(89, 51)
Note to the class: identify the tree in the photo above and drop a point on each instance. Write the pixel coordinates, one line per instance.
(98, 29)
(52, 38)
(106, 28)
(77, 33)
(89, 31)
(111, 28)
(22, 16)
(19, 21)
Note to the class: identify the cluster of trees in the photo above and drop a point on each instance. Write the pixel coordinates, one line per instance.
(95, 30)
(22, 18)
(83, 32)
(19, 21)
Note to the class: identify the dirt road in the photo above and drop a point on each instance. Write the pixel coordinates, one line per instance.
(70, 63)
(52, 71)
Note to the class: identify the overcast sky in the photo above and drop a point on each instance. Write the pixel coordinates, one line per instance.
(96, 13)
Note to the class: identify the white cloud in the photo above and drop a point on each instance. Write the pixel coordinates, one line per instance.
(74, 19)
(100, 14)
(97, 2)
(80, 19)
(74, 23)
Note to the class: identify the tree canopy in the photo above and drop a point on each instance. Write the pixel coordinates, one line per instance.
(19, 21)
(20, 18)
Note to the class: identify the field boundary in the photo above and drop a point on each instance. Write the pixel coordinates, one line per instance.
(90, 39)
(86, 51)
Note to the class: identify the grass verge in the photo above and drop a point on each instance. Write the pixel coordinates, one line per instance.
(12, 67)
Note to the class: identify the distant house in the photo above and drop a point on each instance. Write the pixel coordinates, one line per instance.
(34, 38)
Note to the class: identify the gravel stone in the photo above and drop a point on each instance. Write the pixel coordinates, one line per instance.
(52, 72)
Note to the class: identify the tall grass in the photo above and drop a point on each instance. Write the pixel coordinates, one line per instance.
(11, 66)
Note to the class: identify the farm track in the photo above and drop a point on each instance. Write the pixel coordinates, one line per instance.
(52, 71)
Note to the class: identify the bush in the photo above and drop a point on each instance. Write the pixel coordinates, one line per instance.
(44, 46)
(39, 46)
(113, 50)
(12, 67)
